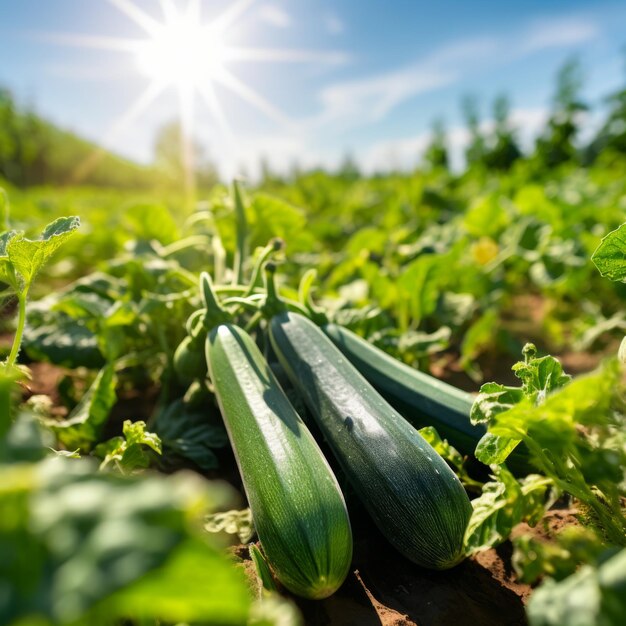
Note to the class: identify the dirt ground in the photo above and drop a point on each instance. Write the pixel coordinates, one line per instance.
(384, 589)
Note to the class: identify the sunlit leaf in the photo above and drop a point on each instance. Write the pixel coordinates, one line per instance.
(610, 255)
(28, 256)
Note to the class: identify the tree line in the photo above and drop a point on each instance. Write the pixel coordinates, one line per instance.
(33, 151)
(497, 146)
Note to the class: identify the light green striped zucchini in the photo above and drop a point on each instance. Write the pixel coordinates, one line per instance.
(297, 507)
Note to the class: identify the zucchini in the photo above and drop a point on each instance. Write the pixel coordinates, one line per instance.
(298, 509)
(412, 495)
(422, 399)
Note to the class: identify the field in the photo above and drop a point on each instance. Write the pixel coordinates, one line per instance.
(107, 428)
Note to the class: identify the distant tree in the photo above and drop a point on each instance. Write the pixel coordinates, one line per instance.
(171, 160)
(348, 168)
(612, 134)
(436, 154)
(475, 151)
(557, 144)
(502, 149)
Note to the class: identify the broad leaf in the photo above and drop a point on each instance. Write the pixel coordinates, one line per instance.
(610, 255)
(504, 503)
(189, 433)
(495, 449)
(493, 399)
(29, 256)
(81, 546)
(82, 428)
(130, 452)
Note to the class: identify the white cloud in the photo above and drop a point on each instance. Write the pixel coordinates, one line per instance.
(274, 15)
(558, 32)
(333, 24)
(371, 99)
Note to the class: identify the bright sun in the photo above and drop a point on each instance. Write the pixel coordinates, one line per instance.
(182, 51)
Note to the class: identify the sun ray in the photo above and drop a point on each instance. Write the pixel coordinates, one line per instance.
(169, 10)
(145, 99)
(137, 15)
(186, 105)
(207, 93)
(279, 55)
(248, 94)
(117, 44)
(183, 53)
(226, 19)
(194, 10)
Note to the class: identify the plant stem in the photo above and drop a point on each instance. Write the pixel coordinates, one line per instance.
(19, 331)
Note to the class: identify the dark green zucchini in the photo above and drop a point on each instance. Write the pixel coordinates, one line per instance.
(297, 507)
(412, 495)
(420, 398)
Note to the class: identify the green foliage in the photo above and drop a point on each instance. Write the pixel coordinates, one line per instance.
(78, 545)
(83, 426)
(573, 430)
(453, 457)
(505, 502)
(130, 452)
(558, 559)
(21, 258)
(593, 595)
(539, 376)
(191, 432)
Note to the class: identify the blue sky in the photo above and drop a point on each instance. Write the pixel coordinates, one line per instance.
(374, 75)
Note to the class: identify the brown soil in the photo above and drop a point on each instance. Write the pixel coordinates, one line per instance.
(45, 379)
(384, 589)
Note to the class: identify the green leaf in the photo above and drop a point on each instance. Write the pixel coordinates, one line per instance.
(450, 454)
(82, 428)
(494, 449)
(481, 335)
(190, 433)
(420, 285)
(590, 596)
(504, 503)
(610, 255)
(129, 453)
(495, 513)
(152, 221)
(492, 400)
(5, 237)
(81, 546)
(63, 342)
(540, 376)
(7, 273)
(570, 548)
(29, 256)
